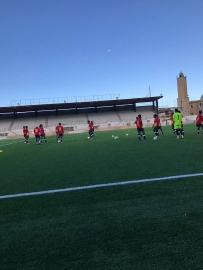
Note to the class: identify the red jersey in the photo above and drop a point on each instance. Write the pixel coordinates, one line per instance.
(26, 132)
(138, 122)
(172, 122)
(199, 119)
(41, 131)
(157, 122)
(91, 126)
(60, 130)
(36, 131)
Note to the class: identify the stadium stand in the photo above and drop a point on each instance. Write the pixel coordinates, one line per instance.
(106, 114)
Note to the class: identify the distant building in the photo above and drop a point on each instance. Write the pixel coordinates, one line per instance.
(187, 107)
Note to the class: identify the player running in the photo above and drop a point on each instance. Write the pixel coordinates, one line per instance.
(199, 120)
(177, 118)
(42, 133)
(140, 129)
(60, 133)
(37, 137)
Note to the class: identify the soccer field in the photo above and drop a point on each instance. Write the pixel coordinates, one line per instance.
(151, 225)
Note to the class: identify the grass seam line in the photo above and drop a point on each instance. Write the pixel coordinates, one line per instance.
(99, 186)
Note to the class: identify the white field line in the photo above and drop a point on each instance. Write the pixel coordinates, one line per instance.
(100, 185)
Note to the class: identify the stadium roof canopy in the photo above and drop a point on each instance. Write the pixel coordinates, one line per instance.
(77, 105)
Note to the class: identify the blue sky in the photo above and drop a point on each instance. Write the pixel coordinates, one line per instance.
(64, 48)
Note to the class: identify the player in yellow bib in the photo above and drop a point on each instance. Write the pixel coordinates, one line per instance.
(177, 118)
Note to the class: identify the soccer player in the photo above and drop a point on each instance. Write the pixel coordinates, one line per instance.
(155, 125)
(199, 120)
(57, 133)
(182, 128)
(172, 124)
(60, 132)
(92, 126)
(140, 129)
(26, 135)
(91, 129)
(42, 133)
(177, 118)
(37, 137)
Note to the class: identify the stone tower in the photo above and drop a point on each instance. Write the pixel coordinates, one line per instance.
(183, 99)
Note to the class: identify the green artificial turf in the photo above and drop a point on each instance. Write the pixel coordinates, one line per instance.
(154, 225)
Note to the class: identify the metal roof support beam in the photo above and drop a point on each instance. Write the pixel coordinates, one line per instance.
(157, 106)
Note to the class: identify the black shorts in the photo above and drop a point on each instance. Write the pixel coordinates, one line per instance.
(140, 130)
(37, 136)
(24, 135)
(198, 125)
(159, 127)
(60, 135)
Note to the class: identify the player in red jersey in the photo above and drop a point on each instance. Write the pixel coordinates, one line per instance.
(157, 125)
(60, 132)
(140, 129)
(91, 129)
(26, 135)
(42, 134)
(57, 133)
(199, 120)
(92, 126)
(37, 137)
(172, 124)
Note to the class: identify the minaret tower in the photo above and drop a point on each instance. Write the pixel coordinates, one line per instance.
(183, 99)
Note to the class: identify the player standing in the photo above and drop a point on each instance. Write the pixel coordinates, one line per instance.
(37, 137)
(57, 133)
(140, 129)
(26, 135)
(199, 120)
(60, 132)
(42, 133)
(91, 129)
(155, 126)
(92, 126)
(177, 118)
(172, 123)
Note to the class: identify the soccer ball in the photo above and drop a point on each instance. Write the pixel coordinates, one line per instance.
(88, 138)
(155, 138)
(112, 136)
(59, 141)
(127, 134)
(115, 137)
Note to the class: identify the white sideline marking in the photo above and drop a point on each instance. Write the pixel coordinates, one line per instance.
(99, 185)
